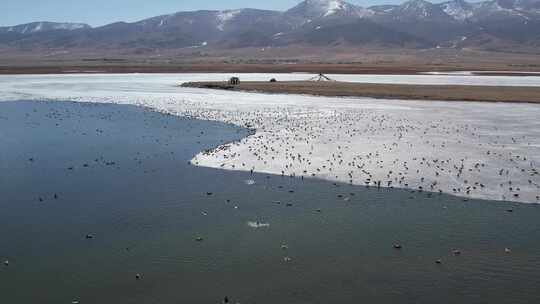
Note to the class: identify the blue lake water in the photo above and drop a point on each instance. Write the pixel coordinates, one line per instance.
(93, 195)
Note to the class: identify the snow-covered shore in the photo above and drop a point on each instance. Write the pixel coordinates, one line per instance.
(474, 150)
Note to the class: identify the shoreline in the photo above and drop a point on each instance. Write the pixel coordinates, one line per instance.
(218, 68)
(326, 68)
(462, 93)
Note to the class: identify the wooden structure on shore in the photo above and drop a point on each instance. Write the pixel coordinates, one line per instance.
(321, 77)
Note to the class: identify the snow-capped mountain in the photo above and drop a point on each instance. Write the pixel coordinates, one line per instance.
(314, 9)
(522, 5)
(40, 27)
(492, 24)
(458, 9)
(419, 9)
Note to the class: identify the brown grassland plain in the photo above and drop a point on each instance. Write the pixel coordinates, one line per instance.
(388, 91)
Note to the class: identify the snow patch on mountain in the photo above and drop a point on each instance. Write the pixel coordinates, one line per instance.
(327, 8)
(418, 7)
(333, 6)
(490, 8)
(458, 9)
(38, 27)
(70, 26)
(224, 17)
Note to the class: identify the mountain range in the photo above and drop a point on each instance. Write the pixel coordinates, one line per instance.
(417, 24)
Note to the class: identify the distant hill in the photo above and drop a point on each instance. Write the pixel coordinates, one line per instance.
(416, 24)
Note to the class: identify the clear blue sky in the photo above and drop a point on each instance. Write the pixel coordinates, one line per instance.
(100, 12)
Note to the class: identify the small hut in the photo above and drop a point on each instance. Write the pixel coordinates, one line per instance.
(234, 81)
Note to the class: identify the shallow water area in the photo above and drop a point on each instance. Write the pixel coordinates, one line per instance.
(94, 194)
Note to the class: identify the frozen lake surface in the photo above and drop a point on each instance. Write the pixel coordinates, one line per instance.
(453, 78)
(474, 150)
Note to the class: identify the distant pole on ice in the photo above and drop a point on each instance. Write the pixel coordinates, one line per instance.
(321, 77)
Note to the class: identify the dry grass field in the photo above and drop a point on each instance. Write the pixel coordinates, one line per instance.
(388, 91)
(340, 60)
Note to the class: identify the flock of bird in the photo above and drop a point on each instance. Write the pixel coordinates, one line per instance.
(470, 149)
(380, 148)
